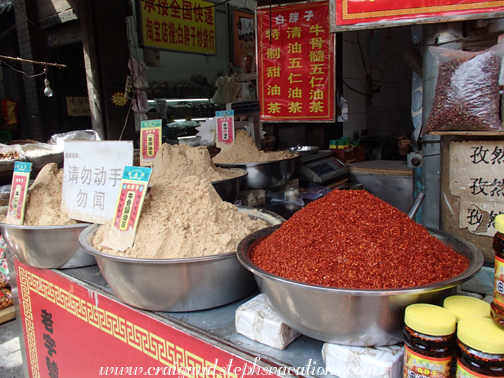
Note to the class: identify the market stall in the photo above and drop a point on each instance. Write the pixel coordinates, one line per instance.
(180, 279)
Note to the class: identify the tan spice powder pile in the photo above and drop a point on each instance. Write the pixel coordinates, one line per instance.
(352, 239)
(244, 150)
(174, 162)
(43, 202)
(184, 218)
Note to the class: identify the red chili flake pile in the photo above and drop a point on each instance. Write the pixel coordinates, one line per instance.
(352, 239)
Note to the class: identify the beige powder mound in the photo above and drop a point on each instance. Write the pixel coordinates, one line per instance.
(43, 203)
(244, 150)
(174, 162)
(183, 219)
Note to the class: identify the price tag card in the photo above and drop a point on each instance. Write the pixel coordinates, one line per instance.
(19, 188)
(225, 126)
(134, 186)
(150, 141)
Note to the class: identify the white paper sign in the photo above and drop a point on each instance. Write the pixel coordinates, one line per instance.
(92, 178)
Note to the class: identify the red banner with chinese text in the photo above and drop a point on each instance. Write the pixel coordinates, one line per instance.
(376, 13)
(72, 331)
(296, 63)
(178, 25)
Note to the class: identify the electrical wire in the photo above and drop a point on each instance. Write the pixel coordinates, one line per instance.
(21, 8)
(355, 90)
(22, 72)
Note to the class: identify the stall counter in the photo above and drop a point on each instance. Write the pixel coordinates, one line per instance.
(73, 325)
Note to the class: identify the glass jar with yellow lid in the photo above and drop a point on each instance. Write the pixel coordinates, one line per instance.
(429, 340)
(480, 348)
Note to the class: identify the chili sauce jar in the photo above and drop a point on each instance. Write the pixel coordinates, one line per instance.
(497, 305)
(463, 306)
(480, 348)
(429, 340)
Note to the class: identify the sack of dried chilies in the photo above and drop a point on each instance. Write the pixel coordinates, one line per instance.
(467, 90)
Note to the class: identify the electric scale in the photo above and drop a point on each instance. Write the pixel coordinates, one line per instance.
(320, 167)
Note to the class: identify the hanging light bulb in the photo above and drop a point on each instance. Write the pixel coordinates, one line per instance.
(48, 91)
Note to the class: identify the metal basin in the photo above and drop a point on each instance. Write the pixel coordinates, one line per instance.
(351, 316)
(229, 189)
(304, 150)
(177, 285)
(266, 174)
(49, 247)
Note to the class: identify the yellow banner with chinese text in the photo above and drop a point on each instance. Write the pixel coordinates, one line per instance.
(178, 25)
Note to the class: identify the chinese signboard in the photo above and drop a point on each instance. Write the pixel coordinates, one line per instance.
(78, 106)
(364, 14)
(92, 178)
(225, 126)
(476, 177)
(129, 204)
(110, 338)
(178, 25)
(17, 200)
(296, 63)
(150, 140)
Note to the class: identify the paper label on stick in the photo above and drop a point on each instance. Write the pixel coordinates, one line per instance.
(150, 141)
(225, 126)
(129, 204)
(19, 188)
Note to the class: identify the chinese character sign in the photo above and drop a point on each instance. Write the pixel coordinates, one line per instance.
(225, 126)
(178, 25)
(296, 63)
(477, 177)
(19, 188)
(348, 14)
(150, 141)
(92, 176)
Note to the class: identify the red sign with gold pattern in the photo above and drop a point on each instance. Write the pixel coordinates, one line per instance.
(296, 63)
(379, 13)
(72, 331)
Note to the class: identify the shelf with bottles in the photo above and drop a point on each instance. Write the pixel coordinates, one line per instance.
(197, 109)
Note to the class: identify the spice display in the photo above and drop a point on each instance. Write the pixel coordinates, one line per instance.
(497, 304)
(174, 162)
(429, 340)
(43, 203)
(244, 150)
(467, 95)
(184, 218)
(479, 348)
(352, 239)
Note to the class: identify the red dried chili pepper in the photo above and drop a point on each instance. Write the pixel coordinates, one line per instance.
(352, 239)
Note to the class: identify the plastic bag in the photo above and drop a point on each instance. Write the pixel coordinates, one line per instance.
(467, 91)
(9, 155)
(41, 154)
(60, 139)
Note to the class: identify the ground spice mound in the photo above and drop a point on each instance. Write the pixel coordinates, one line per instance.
(174, 162)
(244, 150)
(184, 218)
(43, 202)
(351, 239)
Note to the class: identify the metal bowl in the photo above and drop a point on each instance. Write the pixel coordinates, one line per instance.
(304, 150)
(266, 174)
(229, 189)
(177, 285)
(352, 316)
(49, 247)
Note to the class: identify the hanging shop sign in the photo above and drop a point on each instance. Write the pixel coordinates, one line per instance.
(476, 178)
(178, 25)
(296, 63)
(370, 14)
(92, 178)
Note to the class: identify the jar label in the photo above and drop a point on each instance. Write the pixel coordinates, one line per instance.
(416, 365)
(463, 372)
(499, 281)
